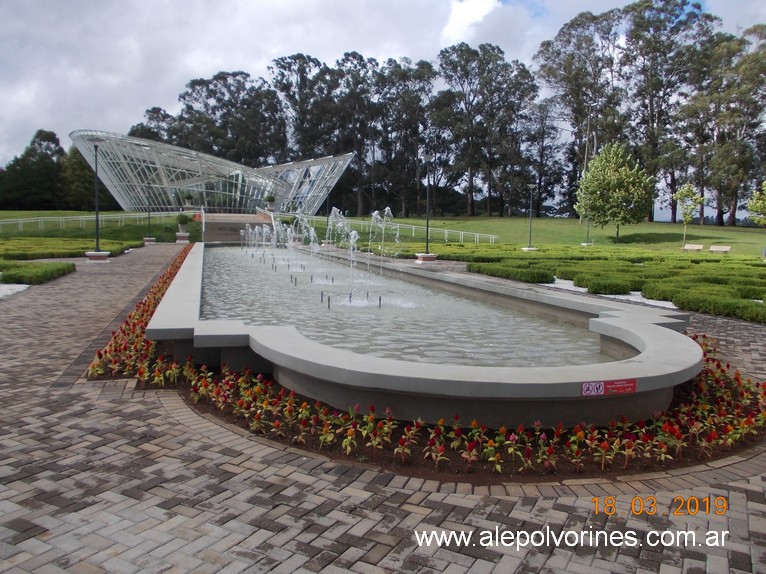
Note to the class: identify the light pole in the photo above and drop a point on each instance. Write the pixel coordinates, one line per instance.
(584, 169)
(428, 159)
(529, 247)
(95, 193)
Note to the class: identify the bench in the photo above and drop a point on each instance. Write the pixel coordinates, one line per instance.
(692, 247)
(720, 248)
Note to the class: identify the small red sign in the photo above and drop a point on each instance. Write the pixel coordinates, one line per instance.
(601, 388)
(620, 387)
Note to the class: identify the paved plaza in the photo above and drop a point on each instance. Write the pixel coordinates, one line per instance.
(97, 477)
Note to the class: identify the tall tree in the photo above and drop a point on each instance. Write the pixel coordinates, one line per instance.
(298, 79)
(507, 93)
(33, 180)
(659, 44)
(356, 114)
(405, 90)
(157, 127)
(581, 67)
(722, 118)
(469, 109)
(77, 177)
(547, 168)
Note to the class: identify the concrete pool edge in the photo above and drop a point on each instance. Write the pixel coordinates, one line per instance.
(641, 384)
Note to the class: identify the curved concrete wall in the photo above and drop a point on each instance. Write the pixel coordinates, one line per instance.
(635, 387)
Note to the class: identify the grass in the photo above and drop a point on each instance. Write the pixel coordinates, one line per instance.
(666, 237)
(72, 240)
(32, 272)
(18, 214)
(53, 247)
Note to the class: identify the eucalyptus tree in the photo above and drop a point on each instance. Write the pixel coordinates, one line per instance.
(33, 179)
(356, 117)
(258, 130)
(735, 165)
(305, 89)
(404, 92)
(470, 109)
(545, 154)
(208, 105)
(508, 90)
(157, 127)
(77, 178)
(580, 65)
(722, 118)
(660, 41)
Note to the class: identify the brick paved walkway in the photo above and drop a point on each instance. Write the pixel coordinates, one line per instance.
(95, 477)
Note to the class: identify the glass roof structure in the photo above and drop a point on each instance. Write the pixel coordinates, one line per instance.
(145, 175)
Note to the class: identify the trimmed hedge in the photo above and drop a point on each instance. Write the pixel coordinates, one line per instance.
(514, 273)
(26, 248)
(606, 286)
(727, 287)
(35, 273)
(723, 307)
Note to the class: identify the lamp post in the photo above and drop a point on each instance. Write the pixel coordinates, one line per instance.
(95, 193)
(96, 255)
(529, 247)
(428, 159)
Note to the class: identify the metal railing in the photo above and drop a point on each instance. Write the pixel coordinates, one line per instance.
(81, 221)
(446, 235)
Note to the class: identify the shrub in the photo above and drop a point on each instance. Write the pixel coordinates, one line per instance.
(607, 286)
(183, 219)
(567, 273)
(582, 279)
(749, 291)
(35, 273)
(516, 274)
(659, 291)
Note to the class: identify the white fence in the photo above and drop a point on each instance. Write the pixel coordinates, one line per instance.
(67, 222)
(363, 226)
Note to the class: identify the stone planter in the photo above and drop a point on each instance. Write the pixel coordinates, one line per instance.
(98, 256)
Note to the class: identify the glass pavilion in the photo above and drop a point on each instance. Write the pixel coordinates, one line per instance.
(144, 175)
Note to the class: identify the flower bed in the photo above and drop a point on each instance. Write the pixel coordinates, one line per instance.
(718, 411)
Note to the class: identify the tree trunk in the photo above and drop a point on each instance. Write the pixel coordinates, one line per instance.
(489, 188)
(359, 202)
(733, 211)
(719, 208)
(672, 184)
(471, 207)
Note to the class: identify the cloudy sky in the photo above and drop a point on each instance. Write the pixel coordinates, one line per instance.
(99, 64)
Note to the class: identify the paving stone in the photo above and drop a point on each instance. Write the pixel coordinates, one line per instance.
(102, 478)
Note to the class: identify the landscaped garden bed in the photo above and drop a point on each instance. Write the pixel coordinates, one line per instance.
(713, 415)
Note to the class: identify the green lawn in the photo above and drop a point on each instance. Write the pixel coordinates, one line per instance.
(33, 214)
(554, 231)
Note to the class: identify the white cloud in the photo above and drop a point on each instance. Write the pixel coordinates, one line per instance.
(463, 15)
